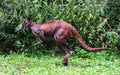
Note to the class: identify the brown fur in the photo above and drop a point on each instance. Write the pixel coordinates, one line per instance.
(60, 31)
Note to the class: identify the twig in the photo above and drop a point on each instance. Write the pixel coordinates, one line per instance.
(108, 24)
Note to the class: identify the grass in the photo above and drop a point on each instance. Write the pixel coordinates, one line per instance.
(16, 64)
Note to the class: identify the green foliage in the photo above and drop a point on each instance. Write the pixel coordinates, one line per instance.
(112, 12)
(85, 15)
(48, 65)
(113, 37)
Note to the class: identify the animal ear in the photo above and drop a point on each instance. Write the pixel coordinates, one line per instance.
(28, 18)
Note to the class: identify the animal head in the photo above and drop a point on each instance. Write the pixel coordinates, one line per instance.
(27, 23)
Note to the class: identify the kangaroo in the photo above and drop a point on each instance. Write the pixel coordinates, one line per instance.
(60, 31)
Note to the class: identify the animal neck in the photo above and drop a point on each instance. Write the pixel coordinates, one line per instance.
(32, 24)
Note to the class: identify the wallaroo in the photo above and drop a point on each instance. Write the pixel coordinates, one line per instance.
(59, 31)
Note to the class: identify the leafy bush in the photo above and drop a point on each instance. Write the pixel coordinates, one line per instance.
(112, 13)
(85, 15)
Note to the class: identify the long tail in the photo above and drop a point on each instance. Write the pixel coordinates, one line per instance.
(82, 42)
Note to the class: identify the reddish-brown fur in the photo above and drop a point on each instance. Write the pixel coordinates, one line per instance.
(60, 31)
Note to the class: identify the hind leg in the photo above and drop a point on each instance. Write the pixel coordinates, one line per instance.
(61, 41)
(68, 54)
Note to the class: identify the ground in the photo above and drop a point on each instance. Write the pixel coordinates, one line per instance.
(19, 64)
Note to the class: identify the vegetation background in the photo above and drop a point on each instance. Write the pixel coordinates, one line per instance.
(98, 22)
